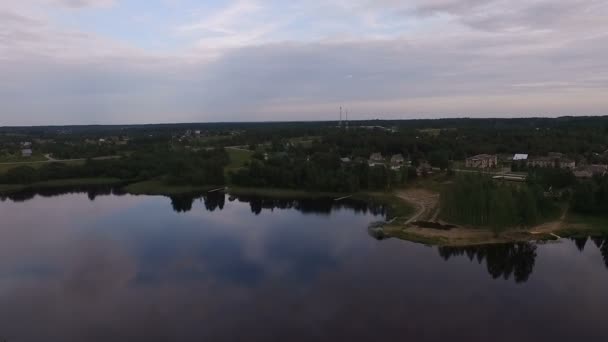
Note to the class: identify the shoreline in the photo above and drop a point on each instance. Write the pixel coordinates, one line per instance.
(9, 189)
(459, 236)
(403, 207)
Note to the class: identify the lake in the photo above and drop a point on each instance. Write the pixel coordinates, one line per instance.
(105, 266)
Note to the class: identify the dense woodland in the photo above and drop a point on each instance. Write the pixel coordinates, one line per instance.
(482, 202)
(320, 171)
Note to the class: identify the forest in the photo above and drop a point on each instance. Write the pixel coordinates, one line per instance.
(321, 171)
(479, 201)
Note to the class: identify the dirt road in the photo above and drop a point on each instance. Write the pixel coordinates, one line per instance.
(426, 202)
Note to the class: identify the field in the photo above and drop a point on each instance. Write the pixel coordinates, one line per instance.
(10, 158)
(238, 158)
(34, 164)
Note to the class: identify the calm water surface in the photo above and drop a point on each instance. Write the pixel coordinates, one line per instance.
(82, 267)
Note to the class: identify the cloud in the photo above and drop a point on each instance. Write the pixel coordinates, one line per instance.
(78, 4)
(251, 60)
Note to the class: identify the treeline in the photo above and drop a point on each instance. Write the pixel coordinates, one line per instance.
(591, 197)
(555, 178)
(320, 171)
(177, 167)
(479, 201)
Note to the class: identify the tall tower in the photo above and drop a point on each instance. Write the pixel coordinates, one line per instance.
(347, 119)
(340, 123)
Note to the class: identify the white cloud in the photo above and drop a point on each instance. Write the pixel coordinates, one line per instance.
(253, 60)
(83, 3)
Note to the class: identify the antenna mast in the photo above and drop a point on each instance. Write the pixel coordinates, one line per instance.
(347, 119)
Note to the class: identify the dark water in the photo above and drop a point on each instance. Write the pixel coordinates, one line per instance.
(101, 266)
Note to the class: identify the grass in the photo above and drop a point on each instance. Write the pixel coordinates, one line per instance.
(77, 182)
(434, 132)
(238, 159)
(5, 167)
(577, 225)
(11, 188)
(435, 182)
(12, 158)
(158, 187)
(399, 233)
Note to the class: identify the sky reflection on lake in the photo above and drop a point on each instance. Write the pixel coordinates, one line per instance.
(128, 268)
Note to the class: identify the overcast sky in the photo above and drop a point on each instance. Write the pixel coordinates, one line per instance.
(148, 61)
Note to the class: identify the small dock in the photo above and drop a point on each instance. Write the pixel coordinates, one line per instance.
(342, 198)
(216, 190)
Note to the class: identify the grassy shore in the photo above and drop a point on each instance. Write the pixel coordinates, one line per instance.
(461, 237)
(77, 182)
(577, 225)
(157, 187)
(282, 193)
(36, 164)
(60, 183)
(10, 188)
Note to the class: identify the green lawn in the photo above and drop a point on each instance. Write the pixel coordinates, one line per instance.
(238, 158)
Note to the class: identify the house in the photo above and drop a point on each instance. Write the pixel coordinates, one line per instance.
(360, 160)
(424, 168)
(542, 162)
(26, 152)
(345, 160)
(397, 159)
(482, 161)
(591, 170)
(566, 163)
(397, 162)
(553, 161)
(26, 144)
(376, 159)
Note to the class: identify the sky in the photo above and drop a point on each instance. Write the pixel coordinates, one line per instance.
(161, 61)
